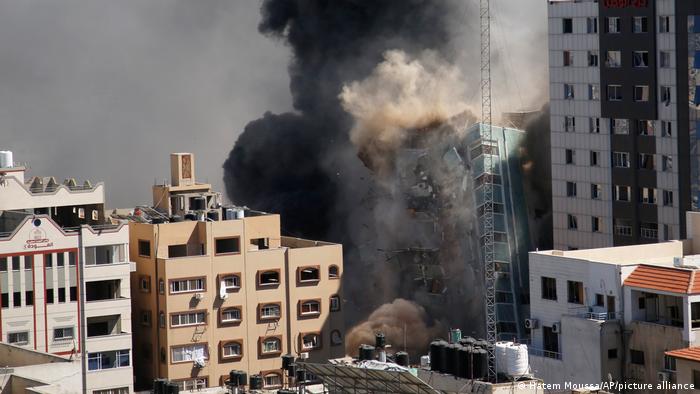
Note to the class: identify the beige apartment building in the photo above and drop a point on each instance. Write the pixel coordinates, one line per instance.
(64, 277)
(219, 289)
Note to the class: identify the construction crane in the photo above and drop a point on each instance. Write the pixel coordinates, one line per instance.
(487, 217)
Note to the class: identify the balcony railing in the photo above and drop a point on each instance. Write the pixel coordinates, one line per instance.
(587, 312)
(650, 233)
(543, 353)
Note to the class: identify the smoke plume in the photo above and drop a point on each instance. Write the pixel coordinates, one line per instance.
(404, 323)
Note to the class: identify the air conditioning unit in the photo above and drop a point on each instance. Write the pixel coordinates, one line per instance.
(199, 296)
(556, 328)
(223, 294)
(200, 362)
(531, 324)
(304, 355)
(663, 376)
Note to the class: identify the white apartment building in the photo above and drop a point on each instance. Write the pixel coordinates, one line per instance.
(64, 276)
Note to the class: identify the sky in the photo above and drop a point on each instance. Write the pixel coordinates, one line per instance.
(105, 90)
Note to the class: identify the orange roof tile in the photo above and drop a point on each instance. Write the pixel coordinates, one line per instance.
(674, 280)
(689, 353)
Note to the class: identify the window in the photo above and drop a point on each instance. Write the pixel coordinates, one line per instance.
(187, 319)
(309, 274)
(145, 284)
(649, 230)
(95, 214)
(570, 156)
(645, 127)
(29, 297)
(666, 163)
(646, 161)
(231, 315)
(571, 189)
(596, 191)
(17, 299)
(640, 25)
(614, 92)
(161, 286)
(106, 254)
(144, 248)
(622, 227)
(81, 213)
(613, 59)
(669, 363)
(15, 263)
(108, 360)
(146, 318)
(621, 193)
(569, 124)
(187, 285)
(49, 297)
(593, 92)
(636, 357)
(612, 24)
(62, 333)
(665, 96)
(60, 259)
(311, 307)
(228, 245)
(333, 272)
(73, 293)
(336, 338)
(591, 25)
(549, 288)
(664, 24)
(269, 278)
(641, 93)
(119, 390)
(668, 198)
(189, 352)
(595, 224)
(273, 380)
(551, 342)
(595, 159)
(640, 59)
(568, 91)
(594, 125)
(664, 59)
(593, 58)
(619, 126)
(572, 222)
(18, 338)
(271, 345)
(61, 294)
(647, 195)
(310, 341)
(3, 264)
(270, 311)
(260, 243)
(666, 130)
(621, 159)
(335, 303)
(612, 353)
(574, 292)
(568, 58)
(231, 350)
(193, 384)
(231, 282)
(567, 25)
(599, 300)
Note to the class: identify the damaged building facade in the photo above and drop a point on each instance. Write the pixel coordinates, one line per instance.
(440, 177)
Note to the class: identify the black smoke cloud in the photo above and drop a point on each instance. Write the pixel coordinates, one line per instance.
(299, 164)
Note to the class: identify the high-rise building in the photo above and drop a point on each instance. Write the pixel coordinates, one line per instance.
(624, 120)
(64, 276)
(219, 289)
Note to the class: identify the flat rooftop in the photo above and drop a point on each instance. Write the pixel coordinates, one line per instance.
(661, 253)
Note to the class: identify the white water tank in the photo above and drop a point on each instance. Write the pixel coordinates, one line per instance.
(517, 363)
(501, 356)
(240, 213)
(6, 160)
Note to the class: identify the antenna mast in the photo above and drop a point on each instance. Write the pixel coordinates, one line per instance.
(487, 217)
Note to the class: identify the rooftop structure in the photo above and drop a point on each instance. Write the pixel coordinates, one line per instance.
(219, 288)
(30, 371)
(64, 276)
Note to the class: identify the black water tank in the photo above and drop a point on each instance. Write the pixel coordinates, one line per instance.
(291, 370)
(481, 343)
(198, 204)
(286, 391)
(479, 363)
(157, 220)
(213, 216)
(256, 382)
(434, 356)
(453, 359)
(366, 353)
(301, 375)
(286, 360)
(379, 340)
(159, 386)
(401, 359)
(237, 378)
(190, 216)
(467, 341)
(465, 362)
(175, 219)
(172, 388)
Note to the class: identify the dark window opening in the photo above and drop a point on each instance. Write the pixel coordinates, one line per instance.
(61, 294)
(599, 300)
(333, 272)
(29, 297)
(308, 274)
(15, 263)
(228, 245)
(575, 292)
(177, 251)
(612, 353)
(60, 259)
(549, 288)
(261, 243)
(567, 25)
(270, 278)
(73, 293)
(49, 296)
(102, 290)
(17, 299)
(551, 342)
(637, 357)
(144, 248)
(48, 260)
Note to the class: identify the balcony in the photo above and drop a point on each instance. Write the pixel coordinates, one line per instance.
(594, 313)
(101, 326)
(103, 290)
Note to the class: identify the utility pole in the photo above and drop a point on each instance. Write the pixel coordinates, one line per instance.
(487, 217)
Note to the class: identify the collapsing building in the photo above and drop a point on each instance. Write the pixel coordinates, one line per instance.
(440, 174)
